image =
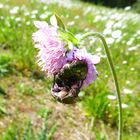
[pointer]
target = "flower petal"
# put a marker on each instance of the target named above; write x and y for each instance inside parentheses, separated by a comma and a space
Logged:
(40, 24)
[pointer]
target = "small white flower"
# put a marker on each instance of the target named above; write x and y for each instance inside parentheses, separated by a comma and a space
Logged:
(107, 31)
(34, 12)
(129, 42)
(104, 18)
(28, 23)
(127, 91)
(45, 7)
(71, 23)
(97, 18)
(1, 17)
(18, 19)
(43, 1)
(1, 5)
(43, 16)
(124, 62)
(86, 29)
(111, 97)
(23, 8)
(132, 69)
(124, 105)
(114, 16)
(106, 76)
(109, 24)
(128, 82)
(118, 25)
(132, 48)
(127, 8)
(33, 16)
(138, 32)
(116, 34)
(77, 17)
(26, 14)
(14, 10)
(99, 49)
(110, 40)
(8, 23)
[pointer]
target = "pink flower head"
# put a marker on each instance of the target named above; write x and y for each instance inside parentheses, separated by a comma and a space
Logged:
(51, 48)
(91, 60)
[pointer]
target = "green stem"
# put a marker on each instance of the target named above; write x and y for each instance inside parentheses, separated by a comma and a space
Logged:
(110, 61)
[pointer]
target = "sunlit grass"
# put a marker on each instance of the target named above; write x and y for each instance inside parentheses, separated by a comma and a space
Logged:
(17, 57)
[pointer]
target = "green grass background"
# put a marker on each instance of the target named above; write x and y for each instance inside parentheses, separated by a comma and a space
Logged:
(24, 88)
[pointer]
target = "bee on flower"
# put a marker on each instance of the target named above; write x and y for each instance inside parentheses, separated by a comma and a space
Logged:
(71, 67)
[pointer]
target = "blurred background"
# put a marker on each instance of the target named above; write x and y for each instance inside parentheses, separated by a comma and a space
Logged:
(27, 109)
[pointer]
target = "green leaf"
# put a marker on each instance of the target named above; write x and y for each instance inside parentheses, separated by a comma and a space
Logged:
(69, 37)
(56, 21)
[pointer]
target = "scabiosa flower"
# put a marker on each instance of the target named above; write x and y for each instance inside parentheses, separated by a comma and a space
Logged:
(51, 48)
(71, 67)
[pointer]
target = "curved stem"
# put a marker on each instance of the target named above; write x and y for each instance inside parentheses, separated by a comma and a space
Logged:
(113, 73)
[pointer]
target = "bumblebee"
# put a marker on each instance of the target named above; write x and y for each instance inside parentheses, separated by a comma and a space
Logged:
(68, 81)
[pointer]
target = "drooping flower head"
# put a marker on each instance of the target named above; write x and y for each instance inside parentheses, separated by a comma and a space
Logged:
(59, 55)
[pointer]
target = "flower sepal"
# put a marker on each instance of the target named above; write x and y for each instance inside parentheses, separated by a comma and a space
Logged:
(68, 37)
(57, 22)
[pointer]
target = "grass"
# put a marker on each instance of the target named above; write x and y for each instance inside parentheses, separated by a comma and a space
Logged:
(23, 85)
(28, 133)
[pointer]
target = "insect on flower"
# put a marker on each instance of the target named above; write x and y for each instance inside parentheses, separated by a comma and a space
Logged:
(68, 81)
(59, 55)
(78, 72)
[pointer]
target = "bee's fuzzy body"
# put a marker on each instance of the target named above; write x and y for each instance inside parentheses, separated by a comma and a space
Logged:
(68, 81)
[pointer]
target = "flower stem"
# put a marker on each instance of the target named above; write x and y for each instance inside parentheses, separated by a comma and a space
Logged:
(110, 61)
